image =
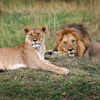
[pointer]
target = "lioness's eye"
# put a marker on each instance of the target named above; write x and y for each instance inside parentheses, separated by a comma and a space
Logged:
(73, 41)
(38, 34)
(31, 34)
(65, 42)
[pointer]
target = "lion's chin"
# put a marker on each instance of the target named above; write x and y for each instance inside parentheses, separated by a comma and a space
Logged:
(71, 55)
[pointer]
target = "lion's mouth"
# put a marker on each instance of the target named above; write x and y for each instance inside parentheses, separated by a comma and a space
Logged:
(71, 54)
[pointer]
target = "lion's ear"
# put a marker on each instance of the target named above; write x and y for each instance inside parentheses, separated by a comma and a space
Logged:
(26, 30)
(43, 29)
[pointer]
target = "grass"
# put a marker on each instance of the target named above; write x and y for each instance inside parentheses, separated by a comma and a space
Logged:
(82, 83)
(84, 80)
(56, 15)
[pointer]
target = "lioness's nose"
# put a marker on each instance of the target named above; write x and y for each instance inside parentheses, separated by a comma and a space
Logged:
(34, 40)
(70, 49)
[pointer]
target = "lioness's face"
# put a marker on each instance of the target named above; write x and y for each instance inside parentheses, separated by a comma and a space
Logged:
(69, 44)
(35, 36)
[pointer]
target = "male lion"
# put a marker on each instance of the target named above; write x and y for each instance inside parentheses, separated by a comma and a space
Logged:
(29, 54)
(73, 41)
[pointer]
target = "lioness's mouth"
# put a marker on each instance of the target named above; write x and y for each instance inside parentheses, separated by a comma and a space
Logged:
(35, 45)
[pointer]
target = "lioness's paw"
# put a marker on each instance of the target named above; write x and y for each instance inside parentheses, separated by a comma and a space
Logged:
(66, 71)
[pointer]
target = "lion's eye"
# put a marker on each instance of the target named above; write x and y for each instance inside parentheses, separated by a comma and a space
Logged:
(30, 34)
(38, 34)
(73, 41)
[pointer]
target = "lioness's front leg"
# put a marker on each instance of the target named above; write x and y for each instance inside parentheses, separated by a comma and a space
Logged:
(50, 67)
(46, 61)
(38, 63)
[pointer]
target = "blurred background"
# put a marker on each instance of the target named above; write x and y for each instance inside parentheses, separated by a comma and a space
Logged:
(55, 14)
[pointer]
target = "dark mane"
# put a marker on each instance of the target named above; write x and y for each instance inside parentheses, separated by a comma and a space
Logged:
(79, 27)
(83, 31)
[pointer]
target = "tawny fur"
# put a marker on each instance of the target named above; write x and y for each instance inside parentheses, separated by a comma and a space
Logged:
(74, 40)
(29, 54)
(84, 46)
(93, 50)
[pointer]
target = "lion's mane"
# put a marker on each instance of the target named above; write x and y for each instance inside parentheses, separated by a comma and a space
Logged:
(81, 34)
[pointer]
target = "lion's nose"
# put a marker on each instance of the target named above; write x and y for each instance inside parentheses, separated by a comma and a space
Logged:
(34, 40)
(70, 49)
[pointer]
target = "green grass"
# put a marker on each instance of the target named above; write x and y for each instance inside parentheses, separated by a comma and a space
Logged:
(29, 84)
(12, 26)
(82, 83)
(55, 15)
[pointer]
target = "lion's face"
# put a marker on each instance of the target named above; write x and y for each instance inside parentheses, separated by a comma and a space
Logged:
(35, 37)
(69, 44)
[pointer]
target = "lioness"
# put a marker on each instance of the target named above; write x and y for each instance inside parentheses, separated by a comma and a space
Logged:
(29, 54)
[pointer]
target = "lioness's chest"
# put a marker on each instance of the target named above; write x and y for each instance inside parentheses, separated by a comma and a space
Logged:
(40, 53)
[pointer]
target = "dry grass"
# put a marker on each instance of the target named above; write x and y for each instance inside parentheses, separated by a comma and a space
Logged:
(55, 15)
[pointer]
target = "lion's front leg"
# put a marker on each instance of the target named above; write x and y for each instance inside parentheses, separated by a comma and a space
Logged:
(55, 53)
(59, 53)
(49, 52)
(62, 53)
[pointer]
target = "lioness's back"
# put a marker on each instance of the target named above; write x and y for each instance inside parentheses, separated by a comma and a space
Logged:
(8, 51)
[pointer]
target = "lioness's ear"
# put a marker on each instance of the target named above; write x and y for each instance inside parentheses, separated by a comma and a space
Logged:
(43, 29)
(26, 30)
